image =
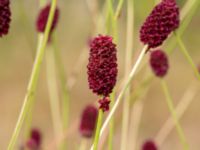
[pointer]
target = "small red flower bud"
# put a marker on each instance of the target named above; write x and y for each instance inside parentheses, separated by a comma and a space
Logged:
(5, 17)
(102, 66)
(88, 121)
(104, 104)
(159, 63)
(36, 136)
(43, 17)
(149, 145)
(163, 19)
(34, 142)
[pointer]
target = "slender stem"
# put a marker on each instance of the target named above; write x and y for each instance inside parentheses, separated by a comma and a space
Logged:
(121, 94)
(136, 114)
(111, 124)
(53, 93)
(83, 144)
(128, 62)
(186, 19)
(182, 106)
(33, 80)
(187, 55)
(174, 115)
(28, 120)
(118, 10)
(99, 122)
(186, 8)
(63, 81)
(109, 17)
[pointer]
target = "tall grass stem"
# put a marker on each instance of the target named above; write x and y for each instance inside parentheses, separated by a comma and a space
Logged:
(180, 109)
(187, 55)
(174, 115)
(98, 127)
(53, 93)
(34, 79)
(128, 63)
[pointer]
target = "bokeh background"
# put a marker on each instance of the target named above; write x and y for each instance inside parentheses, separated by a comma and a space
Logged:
(74, 29)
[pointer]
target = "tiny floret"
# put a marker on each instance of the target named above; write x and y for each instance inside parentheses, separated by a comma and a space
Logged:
(163, 19)
(104, 104)
(43, 17)
(34, 141)
(159, 63)
(88, 121)
(102, 66)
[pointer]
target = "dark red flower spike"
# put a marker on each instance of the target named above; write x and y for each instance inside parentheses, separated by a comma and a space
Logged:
(88, 121)
(149, 145)
(34, 142)
(102, 66)
(163, 19)
(43, 17)
(5, 17)
(159, 63)
(104, 104)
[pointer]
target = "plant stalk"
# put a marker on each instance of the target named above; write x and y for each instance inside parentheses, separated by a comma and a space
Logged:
(98, 127)
(174, 115)
(187, 55)
(34, 79)
(128, 63)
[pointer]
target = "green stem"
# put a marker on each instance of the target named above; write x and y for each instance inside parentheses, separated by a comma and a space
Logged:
(111, 124)
(98, 127)
(174, 116)
(118, 10)
(63, 81)
(33, 80)
(28, 120)
(128, 63)
(180, 109)
(185, 22)
(53, 93)
(187, 55)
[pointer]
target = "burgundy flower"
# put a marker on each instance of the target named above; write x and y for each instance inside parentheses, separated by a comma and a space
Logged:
(159, 63)
(5, 17)
(43, 17)
(149, 145)
(102, 66)
(88, 121)
(36, 136)
(104, 104)
(163, 19)
(34, 142)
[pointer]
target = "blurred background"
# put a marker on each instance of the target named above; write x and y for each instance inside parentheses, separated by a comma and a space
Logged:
(75, 27)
